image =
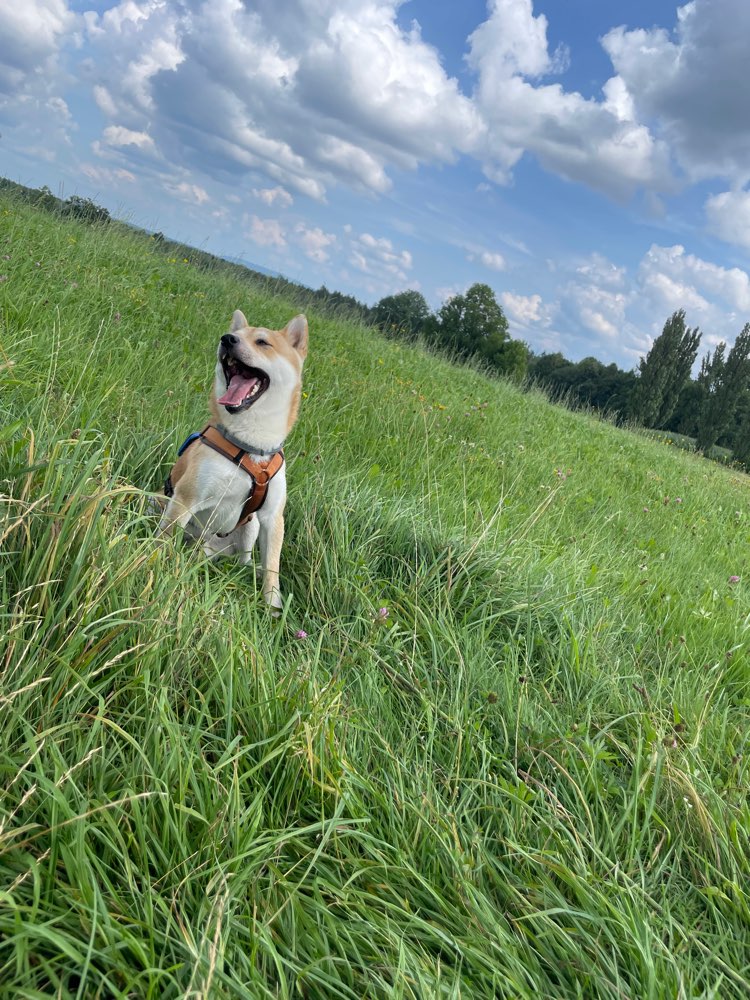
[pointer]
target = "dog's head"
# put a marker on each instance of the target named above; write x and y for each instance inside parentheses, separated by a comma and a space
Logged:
(262, 368)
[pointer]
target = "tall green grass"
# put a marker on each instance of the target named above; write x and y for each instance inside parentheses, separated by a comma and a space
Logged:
(526, 777)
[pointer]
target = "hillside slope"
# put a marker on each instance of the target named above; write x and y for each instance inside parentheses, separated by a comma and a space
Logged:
(525, 778)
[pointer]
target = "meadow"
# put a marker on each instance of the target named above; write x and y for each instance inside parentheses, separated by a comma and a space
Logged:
(495, 746)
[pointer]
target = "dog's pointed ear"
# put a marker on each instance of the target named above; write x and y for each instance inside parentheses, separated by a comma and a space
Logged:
(296, 333)
(238, 321)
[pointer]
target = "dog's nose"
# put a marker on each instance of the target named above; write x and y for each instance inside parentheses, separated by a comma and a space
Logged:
(229, 340)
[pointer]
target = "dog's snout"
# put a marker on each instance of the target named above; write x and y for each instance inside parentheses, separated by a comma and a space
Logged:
(229, 340)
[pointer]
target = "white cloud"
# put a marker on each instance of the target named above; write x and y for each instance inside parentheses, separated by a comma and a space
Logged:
(625, 311)
(599, 295)
(693, 84)
(188, 192)
(526, 310)
(596, 321)
(385, 267)
(599, 143)
(104, 101)
(728, 216)
(681, 280)
(267, 232)
(602, 272)
(314, 242)
(513, 42)
(494, 261)
(372, 253)
(32, 34)
(270, 196)
(116, 135)
(106, 176)
(308, 95)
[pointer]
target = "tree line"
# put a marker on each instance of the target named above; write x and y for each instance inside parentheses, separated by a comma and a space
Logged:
(469, 325)
(712, 409)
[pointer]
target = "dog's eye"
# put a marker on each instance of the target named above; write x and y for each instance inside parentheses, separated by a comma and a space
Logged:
(260, 342)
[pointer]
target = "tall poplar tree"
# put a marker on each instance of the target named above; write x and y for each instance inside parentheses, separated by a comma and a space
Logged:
(723, 379)
(662, 374)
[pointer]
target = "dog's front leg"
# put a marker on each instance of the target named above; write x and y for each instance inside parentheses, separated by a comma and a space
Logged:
(245, 539)
(271, 540)
(176, 513)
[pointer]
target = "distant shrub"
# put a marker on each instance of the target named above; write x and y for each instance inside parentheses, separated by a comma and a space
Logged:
(86, 210)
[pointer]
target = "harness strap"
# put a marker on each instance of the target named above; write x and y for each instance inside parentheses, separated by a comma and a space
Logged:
(261, 473)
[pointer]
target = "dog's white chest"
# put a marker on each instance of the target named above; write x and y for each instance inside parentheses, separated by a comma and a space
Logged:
(222, 488)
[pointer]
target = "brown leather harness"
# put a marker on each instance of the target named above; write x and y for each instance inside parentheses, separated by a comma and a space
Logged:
(261, 473)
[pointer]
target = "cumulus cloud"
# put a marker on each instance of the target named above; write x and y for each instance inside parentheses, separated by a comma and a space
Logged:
(526, 310)
(188, 192)
(728, 216)
(267, 232)
(680, 279)
(116, 135)
(599, 143)
(625, 311)
(372, 254)
(598, 296)
(693, 83)
(314, 242)
(494, 261)
(32, 35)
(272, 196)
(308, 96)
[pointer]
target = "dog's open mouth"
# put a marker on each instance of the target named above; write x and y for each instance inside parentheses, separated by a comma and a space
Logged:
(245, 385)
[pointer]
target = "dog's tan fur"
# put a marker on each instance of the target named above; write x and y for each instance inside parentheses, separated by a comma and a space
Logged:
(209, 490)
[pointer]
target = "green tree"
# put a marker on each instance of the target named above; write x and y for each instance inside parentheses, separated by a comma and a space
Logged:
(684, 420)
(86, 210)
(472, 323)
(724, 379)
(662, 374)
(546, 368)
(512, 360)
(405, 313)
(590, 382)
(740, 436)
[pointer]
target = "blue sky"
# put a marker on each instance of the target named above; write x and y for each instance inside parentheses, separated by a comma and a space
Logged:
(588, 160)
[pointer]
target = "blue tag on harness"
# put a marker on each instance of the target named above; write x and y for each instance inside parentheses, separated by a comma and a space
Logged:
(187, 442)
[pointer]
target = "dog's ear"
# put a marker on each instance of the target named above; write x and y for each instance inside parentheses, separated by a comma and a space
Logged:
(238, 321)
(296, 333)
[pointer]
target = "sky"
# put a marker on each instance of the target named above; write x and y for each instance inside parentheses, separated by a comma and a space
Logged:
(587, 159)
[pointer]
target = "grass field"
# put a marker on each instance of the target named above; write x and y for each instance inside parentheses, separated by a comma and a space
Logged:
(525, 778)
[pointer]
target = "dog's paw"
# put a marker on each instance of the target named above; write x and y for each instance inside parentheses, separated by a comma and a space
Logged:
(274, 602)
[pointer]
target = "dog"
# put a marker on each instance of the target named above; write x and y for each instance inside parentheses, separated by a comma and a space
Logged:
(228, 486)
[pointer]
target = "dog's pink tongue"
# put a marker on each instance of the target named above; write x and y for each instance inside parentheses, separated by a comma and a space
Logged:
(237, 390)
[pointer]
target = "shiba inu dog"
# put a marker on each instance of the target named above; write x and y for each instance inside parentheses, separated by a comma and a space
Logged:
(228, 486)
